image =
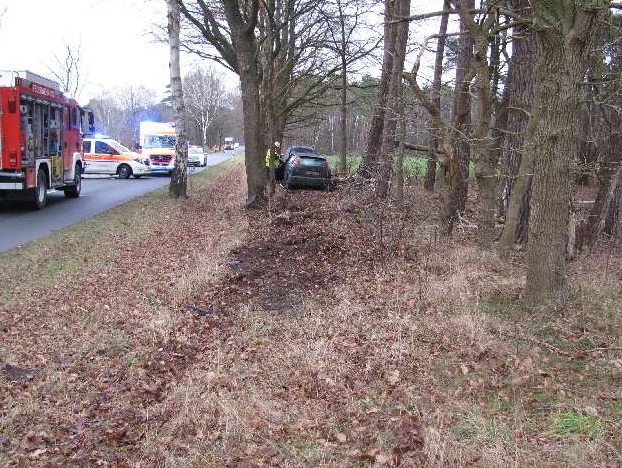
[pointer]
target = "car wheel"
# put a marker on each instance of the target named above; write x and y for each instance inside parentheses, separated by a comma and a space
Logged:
(41, 191)
(124, 171)
(74, 190)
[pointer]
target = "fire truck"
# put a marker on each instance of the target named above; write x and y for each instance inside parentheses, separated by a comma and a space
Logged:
(40, 138)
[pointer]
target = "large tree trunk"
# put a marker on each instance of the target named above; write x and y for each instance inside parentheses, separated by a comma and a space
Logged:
(435, 98)
(397, 9)
(245, 46)
(369, 164)
(179, 178)
(516, 168)
(566, 45)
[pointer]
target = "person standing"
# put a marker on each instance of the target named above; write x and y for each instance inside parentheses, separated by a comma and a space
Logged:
(273, 160)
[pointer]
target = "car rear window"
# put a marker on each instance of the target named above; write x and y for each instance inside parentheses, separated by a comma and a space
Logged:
(316, 162)
(302, 150)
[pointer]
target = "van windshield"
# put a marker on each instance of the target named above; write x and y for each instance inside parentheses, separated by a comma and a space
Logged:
(159, 141)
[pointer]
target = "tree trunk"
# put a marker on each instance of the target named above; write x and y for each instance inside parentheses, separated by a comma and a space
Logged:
(516, 173)
(603, 216)
(461, 113)
(519, 95)
(368, 167)
(179, 178)
(397, 9)
(245, 45)
(435, 98)
(566, 45)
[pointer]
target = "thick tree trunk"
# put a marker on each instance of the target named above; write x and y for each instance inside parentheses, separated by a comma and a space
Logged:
(566, 45)
(519, 95)
(179, 177)
(556, 104)
(245, 45)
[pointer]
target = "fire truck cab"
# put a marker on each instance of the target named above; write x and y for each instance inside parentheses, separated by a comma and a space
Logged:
(40, 138)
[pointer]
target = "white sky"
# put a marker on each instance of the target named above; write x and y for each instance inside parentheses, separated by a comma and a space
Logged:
(117, 48)
(115, 38)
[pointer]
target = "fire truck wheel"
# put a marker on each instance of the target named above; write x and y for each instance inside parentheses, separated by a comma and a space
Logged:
(73, 191)
(41, 191)
(124, 171)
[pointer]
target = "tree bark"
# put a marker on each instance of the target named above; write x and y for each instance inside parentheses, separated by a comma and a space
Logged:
(516, 168)
(369, 164)
(566, 36)
(461, 113)
(435, 98)
(481, 132)
(397, 9)
(244, 43)
(179, 177)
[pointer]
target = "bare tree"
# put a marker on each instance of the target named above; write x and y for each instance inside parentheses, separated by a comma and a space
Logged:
(344, 20)
(204, 94)
(179, 177)
(67, 70)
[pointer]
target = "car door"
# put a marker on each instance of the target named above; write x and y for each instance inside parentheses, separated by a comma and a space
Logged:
(106, 157)
(92, 164)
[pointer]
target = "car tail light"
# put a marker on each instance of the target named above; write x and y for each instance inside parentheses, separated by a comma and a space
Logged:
(295, 161)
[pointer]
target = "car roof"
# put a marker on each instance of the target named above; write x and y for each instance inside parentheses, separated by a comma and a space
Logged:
(302, 148)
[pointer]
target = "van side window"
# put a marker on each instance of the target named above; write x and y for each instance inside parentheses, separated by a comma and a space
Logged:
(104, 148)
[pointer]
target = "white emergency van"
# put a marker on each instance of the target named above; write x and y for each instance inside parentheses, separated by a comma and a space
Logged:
(108, 156)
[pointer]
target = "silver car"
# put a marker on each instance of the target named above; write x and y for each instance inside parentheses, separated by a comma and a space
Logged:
(196, 156)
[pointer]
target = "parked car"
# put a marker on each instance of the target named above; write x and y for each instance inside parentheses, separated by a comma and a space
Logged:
(304, 167)
(196, 156)
(107, 156)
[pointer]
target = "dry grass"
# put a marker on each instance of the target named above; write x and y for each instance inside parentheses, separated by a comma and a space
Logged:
(298, 336)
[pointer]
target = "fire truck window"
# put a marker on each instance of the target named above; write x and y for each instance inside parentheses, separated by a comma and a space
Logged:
(87, 146)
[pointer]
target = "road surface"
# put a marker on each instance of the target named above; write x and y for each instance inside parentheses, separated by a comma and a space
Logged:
(20, 223)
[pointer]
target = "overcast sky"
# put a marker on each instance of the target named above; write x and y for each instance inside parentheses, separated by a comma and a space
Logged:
(115, 39)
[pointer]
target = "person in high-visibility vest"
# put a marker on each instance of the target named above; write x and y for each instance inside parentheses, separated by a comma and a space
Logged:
(273, 160)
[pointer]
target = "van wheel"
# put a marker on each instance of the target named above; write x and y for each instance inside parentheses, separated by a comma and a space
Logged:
(41, 190)
(137, 176)
(74, 190)
(124, 171)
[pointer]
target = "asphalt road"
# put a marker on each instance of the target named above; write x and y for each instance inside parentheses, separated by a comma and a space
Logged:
(20, 223)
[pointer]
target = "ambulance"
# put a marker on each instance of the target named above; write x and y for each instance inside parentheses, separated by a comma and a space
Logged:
(103, 155)
(157, 142)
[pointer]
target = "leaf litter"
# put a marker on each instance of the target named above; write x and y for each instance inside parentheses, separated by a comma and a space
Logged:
(303, 333)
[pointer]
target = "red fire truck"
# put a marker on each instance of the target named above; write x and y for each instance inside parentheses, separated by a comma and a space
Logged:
(40, 138)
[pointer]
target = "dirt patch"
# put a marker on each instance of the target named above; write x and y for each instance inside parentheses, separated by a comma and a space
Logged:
(327, 329)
